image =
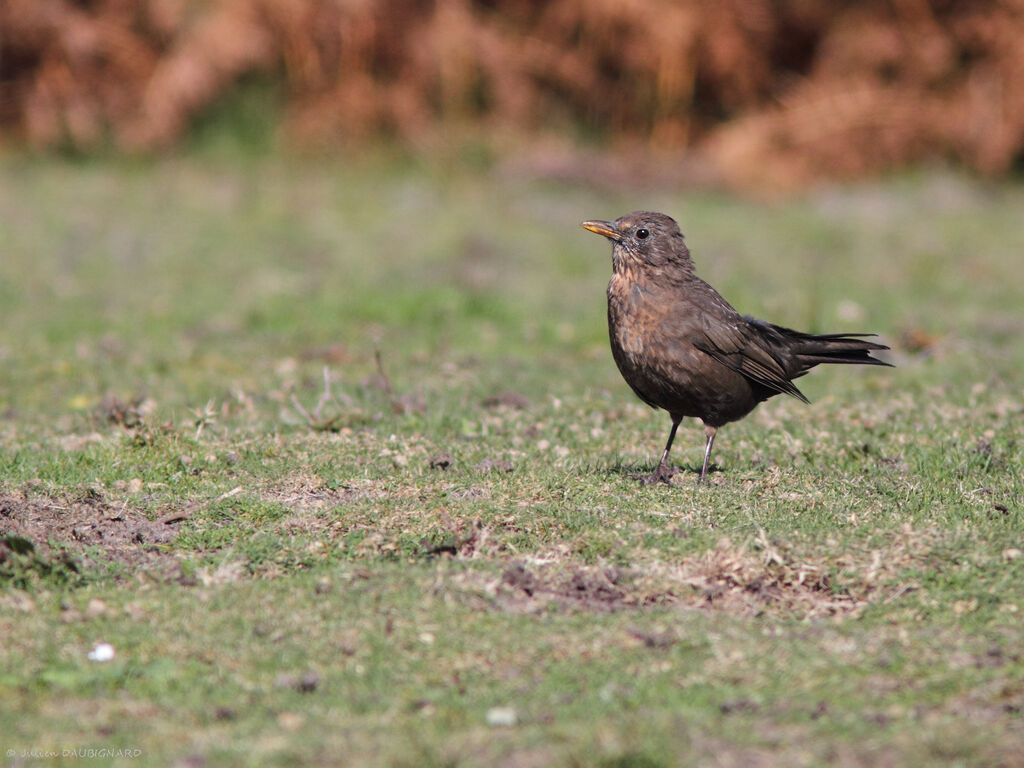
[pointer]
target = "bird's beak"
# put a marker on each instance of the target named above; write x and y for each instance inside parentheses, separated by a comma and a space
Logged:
(605, 228)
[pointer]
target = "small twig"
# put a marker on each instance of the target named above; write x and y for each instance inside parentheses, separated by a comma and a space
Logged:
(175, 517)
(187, 512)
(120, 512)
(900, 592)
(326, 396)
(316, 420)
(303, 411)
(385, 381)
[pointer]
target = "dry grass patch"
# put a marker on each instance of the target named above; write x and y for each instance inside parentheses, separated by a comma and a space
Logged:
(309, 496)
(748, 579)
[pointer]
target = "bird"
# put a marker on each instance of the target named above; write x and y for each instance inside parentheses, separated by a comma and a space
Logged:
(683, 348)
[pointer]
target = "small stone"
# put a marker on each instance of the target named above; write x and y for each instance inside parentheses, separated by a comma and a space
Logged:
(494, 465)
(502, 717)
(102, 652)
(309, 682)
(442, 461)
(508, 399)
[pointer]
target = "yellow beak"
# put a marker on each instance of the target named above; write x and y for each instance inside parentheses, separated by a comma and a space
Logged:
(604, 228)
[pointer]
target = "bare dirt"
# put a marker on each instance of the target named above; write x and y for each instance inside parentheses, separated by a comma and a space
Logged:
(727, 578)
(87, 530)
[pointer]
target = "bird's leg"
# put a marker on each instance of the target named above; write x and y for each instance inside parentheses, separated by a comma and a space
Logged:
(665, 470)
(709, 432)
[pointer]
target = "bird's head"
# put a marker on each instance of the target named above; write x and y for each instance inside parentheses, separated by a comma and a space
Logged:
(645, 242)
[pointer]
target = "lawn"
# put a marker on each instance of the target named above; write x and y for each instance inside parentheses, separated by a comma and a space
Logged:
(335, 457)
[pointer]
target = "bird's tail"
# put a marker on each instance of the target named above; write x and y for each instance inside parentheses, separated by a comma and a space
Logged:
(846, 348)
(808, 350)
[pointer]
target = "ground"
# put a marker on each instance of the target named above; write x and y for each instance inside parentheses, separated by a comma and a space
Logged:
(334, 456)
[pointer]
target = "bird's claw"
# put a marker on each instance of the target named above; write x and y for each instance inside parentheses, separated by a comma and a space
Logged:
(663, 474)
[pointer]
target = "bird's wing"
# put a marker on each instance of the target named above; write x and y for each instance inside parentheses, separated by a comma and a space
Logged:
(734, 344)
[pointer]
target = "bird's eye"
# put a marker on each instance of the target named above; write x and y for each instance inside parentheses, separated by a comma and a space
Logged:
(641, 234)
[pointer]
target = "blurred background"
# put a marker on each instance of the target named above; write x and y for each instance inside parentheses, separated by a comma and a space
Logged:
(295, 303)
(201, 191)
(757, 95)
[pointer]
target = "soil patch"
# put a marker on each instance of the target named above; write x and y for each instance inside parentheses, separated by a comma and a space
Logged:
(728, 577)
(83, 531)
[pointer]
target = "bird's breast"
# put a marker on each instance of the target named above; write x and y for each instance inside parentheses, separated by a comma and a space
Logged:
(630, 319)
(639, 342)
(654, 333)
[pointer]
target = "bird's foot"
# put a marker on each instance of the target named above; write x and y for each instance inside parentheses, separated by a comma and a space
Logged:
(663, 474)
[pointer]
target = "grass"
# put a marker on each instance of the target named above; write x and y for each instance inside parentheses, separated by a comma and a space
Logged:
(437, 555)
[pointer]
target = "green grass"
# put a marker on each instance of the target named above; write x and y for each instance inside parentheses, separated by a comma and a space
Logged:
(176, 481)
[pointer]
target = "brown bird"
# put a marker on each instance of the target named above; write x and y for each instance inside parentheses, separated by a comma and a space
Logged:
(682, 347)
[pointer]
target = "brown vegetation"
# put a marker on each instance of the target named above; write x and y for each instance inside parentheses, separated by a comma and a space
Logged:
(777, 94)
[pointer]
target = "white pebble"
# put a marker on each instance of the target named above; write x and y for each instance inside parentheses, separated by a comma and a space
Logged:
(502, 717)
(102, 652)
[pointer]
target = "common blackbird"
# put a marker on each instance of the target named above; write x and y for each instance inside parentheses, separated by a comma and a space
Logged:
(682, 347)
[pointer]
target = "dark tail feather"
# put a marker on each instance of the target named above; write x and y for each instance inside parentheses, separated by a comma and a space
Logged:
(841, 348)
(809, 349)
